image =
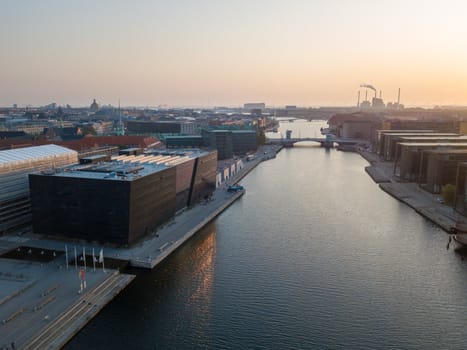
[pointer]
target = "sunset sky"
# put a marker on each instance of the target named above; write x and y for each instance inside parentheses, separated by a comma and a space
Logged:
(219, 52)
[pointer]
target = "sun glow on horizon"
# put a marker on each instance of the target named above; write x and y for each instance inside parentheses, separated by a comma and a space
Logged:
(222, 53)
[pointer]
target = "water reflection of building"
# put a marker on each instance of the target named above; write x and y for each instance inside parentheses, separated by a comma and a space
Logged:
(203, 265)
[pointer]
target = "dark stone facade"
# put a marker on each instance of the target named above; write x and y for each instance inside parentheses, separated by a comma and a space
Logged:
(117, 211)
(184, 175)
(81, 205)
(90, 209)
(152, 202)
(204, 177)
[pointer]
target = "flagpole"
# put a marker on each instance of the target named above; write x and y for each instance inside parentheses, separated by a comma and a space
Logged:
(84, 258)
(101, 259)
(66, 255)
(93, 261)
(76, 261)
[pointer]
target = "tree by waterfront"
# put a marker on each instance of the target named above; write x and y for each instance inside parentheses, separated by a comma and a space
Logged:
(448, 193)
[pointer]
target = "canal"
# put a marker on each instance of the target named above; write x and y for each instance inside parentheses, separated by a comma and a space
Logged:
(314, 256)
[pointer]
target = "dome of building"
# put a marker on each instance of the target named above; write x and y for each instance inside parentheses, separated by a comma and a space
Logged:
(94, 106)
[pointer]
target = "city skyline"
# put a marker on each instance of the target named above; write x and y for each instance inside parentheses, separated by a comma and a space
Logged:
(216, 53)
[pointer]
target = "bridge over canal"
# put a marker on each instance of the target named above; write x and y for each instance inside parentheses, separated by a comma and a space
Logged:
(324, 141)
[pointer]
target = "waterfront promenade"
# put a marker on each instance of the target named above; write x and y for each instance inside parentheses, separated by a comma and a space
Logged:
(157, 246)
(423, 202)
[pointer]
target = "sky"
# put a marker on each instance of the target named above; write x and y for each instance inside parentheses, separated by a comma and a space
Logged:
(226, 53)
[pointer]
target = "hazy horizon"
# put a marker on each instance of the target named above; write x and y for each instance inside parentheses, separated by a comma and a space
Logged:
(182, 106)
(221, 53)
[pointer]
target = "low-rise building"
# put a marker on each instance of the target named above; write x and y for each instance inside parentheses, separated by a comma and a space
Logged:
(409, 165)
(15, 166)
(460, 204)
(441, 168)
(161, 127)
(379, 138)
(392, 141)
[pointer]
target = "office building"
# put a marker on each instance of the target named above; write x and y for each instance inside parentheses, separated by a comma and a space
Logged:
(244, 141)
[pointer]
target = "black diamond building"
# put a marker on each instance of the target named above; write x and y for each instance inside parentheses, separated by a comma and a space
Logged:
(119, 201)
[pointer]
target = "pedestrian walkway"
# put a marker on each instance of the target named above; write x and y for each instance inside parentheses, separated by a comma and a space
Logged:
(423, 202)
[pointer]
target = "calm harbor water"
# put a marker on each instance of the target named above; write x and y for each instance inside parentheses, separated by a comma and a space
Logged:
(314, 256)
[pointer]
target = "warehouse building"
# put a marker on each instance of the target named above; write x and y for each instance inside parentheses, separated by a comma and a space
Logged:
(434, 138)
(379, 140)
(15, 166)
(437, 124)
(392, 139)
(461, 186)
(408, 165)
(120, 201)
(441, 168)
